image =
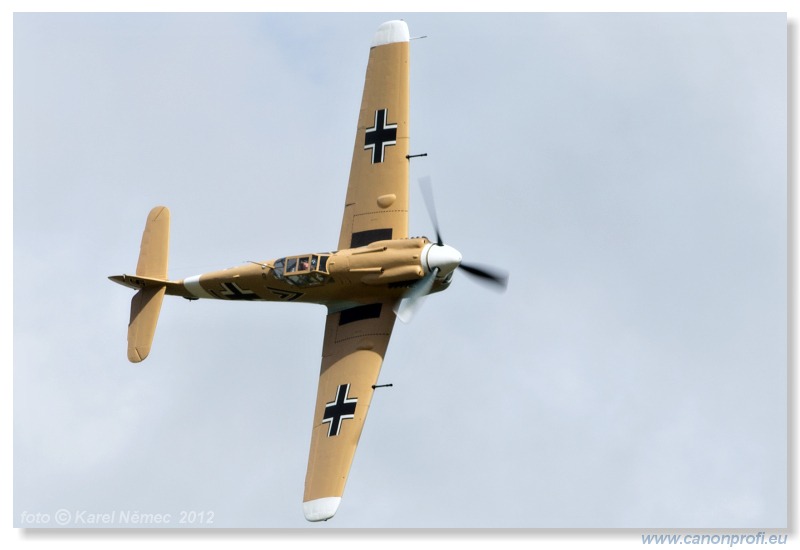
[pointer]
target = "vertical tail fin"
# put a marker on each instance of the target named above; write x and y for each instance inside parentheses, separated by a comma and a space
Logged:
(146, 304)
(155, 245)
(145, 307)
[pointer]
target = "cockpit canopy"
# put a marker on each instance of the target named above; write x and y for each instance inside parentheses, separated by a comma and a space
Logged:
(304, 270)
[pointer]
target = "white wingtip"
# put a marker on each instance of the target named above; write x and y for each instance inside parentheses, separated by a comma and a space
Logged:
(390, 32)
(321, 509)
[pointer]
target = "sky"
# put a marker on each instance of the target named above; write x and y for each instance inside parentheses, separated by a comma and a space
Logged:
(629, 171)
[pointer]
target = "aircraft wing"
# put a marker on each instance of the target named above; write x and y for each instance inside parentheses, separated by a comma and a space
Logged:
(376, 207)
(352, 353)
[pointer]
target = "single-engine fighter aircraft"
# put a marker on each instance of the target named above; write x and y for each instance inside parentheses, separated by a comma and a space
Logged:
(376, 273)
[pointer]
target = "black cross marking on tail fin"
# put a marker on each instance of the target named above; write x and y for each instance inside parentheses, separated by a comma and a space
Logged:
(380, 135)
(339, 409)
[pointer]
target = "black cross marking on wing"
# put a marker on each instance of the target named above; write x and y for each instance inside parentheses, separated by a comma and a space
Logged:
(339, 409)
(380, 135)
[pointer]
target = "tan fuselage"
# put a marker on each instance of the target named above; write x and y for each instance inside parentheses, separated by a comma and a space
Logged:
(380, 270)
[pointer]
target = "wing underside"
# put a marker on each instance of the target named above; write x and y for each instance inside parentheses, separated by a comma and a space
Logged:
(353, 350)
(376, 207)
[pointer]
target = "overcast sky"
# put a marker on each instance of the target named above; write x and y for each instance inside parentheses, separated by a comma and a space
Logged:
(629, 171)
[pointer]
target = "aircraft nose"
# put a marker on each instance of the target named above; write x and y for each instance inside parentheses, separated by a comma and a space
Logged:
(446, 258)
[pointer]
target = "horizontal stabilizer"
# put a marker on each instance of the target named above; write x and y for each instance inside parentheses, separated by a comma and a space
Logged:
(136, 282)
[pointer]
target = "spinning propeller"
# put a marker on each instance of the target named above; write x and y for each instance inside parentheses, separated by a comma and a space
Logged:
(439, 257)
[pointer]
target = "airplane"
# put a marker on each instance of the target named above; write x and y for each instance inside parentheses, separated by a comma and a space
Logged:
(376, 274)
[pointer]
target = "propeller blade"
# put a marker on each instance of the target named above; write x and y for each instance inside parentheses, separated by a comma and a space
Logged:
(412, 301)
(498, 278)
(426, 187)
